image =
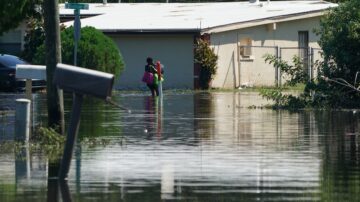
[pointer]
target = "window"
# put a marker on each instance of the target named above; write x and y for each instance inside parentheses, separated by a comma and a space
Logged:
(245, 47)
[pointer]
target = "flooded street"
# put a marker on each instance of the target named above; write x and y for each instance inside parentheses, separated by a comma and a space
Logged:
(191, 147)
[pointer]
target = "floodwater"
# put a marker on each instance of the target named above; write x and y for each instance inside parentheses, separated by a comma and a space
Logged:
(192, 147)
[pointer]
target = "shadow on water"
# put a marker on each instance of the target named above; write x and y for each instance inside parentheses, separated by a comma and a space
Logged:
(57, 190)
(196, 147)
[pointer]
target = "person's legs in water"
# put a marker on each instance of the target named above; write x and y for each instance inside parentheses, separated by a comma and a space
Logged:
(151, 90)
(156, 89)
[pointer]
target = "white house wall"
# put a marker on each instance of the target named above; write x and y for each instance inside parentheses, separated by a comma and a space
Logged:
(12, 42)
(234, 71)
(174, 51)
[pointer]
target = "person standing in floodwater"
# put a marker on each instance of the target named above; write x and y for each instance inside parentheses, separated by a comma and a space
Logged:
(150, 68)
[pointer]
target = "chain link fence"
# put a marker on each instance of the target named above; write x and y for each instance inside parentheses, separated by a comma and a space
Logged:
(254, 71)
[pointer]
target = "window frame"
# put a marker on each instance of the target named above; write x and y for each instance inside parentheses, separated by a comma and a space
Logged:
(242, 48)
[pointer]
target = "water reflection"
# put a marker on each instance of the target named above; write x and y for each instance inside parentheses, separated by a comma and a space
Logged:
(207, 147)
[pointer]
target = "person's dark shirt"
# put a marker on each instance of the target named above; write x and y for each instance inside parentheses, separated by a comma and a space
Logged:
(150, 68)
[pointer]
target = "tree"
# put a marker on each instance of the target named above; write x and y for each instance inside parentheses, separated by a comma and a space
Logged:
(13, 12)
(95, 51)
(340, 41)
(53, 56)
(34, 37)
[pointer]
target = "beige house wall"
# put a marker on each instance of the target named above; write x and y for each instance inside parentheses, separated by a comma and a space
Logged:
(175, 51)
(235, 71)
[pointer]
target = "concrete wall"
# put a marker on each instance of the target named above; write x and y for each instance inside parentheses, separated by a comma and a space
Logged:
(174, 51)
(235, 71)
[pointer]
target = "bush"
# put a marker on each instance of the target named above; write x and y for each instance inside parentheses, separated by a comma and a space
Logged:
(95, 51)
(205, 56)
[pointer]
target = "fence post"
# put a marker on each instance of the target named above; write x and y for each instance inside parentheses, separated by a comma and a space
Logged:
(22, 120)
(311, 63)
(277, 69)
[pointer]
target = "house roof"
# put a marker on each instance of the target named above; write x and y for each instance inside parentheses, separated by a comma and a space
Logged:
(193, 17)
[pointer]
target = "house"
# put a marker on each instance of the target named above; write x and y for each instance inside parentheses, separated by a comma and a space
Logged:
(12, 42)
(241, 33)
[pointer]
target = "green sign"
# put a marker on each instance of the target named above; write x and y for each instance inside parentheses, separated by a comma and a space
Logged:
(77, 6)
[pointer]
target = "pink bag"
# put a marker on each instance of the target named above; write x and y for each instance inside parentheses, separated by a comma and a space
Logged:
(148, 78)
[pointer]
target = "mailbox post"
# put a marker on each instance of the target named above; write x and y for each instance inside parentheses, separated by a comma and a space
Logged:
(81, 82)
(29, 72)
(77, 24)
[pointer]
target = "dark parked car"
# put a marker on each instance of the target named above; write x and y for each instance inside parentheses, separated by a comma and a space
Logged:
(8, 82)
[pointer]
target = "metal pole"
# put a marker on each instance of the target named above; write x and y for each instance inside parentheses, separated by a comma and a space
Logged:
(279, 74)
(22, 120)
(71, 137)
(312, 63)
(75, 53)
(28, 89)
(77, 28)
(28, 92)
(277, 69)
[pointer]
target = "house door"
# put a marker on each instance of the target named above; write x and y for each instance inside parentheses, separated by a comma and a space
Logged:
(303, 43)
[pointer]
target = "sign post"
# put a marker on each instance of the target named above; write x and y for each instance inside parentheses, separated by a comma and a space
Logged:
(77, 24)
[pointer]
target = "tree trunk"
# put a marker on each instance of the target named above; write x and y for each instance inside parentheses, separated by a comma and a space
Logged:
(53, 56)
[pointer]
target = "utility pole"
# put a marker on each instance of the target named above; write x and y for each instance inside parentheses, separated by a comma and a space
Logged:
(53, 56)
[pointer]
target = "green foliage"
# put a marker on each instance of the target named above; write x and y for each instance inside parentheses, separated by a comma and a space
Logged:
(337, 84)
(13, 12)
(207, 59)
(338, 1)
(95, 51)
(294, 75)
(316, 94)
(296, 72)
(340, 40)
(34, 38)
(48, 142)
(48, 136)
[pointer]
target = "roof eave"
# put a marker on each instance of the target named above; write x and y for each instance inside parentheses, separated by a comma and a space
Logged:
(263, 21)
(150, 31)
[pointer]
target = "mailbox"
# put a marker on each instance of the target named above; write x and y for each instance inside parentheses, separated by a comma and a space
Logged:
(83, 81)
(25, 71)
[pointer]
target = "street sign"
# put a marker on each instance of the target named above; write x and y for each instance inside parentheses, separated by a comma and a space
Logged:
(77, 24)
(77, 6)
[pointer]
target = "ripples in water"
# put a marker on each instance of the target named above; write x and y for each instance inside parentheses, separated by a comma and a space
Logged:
(206, 147)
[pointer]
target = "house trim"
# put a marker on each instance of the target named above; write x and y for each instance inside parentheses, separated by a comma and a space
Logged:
(152, 31)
